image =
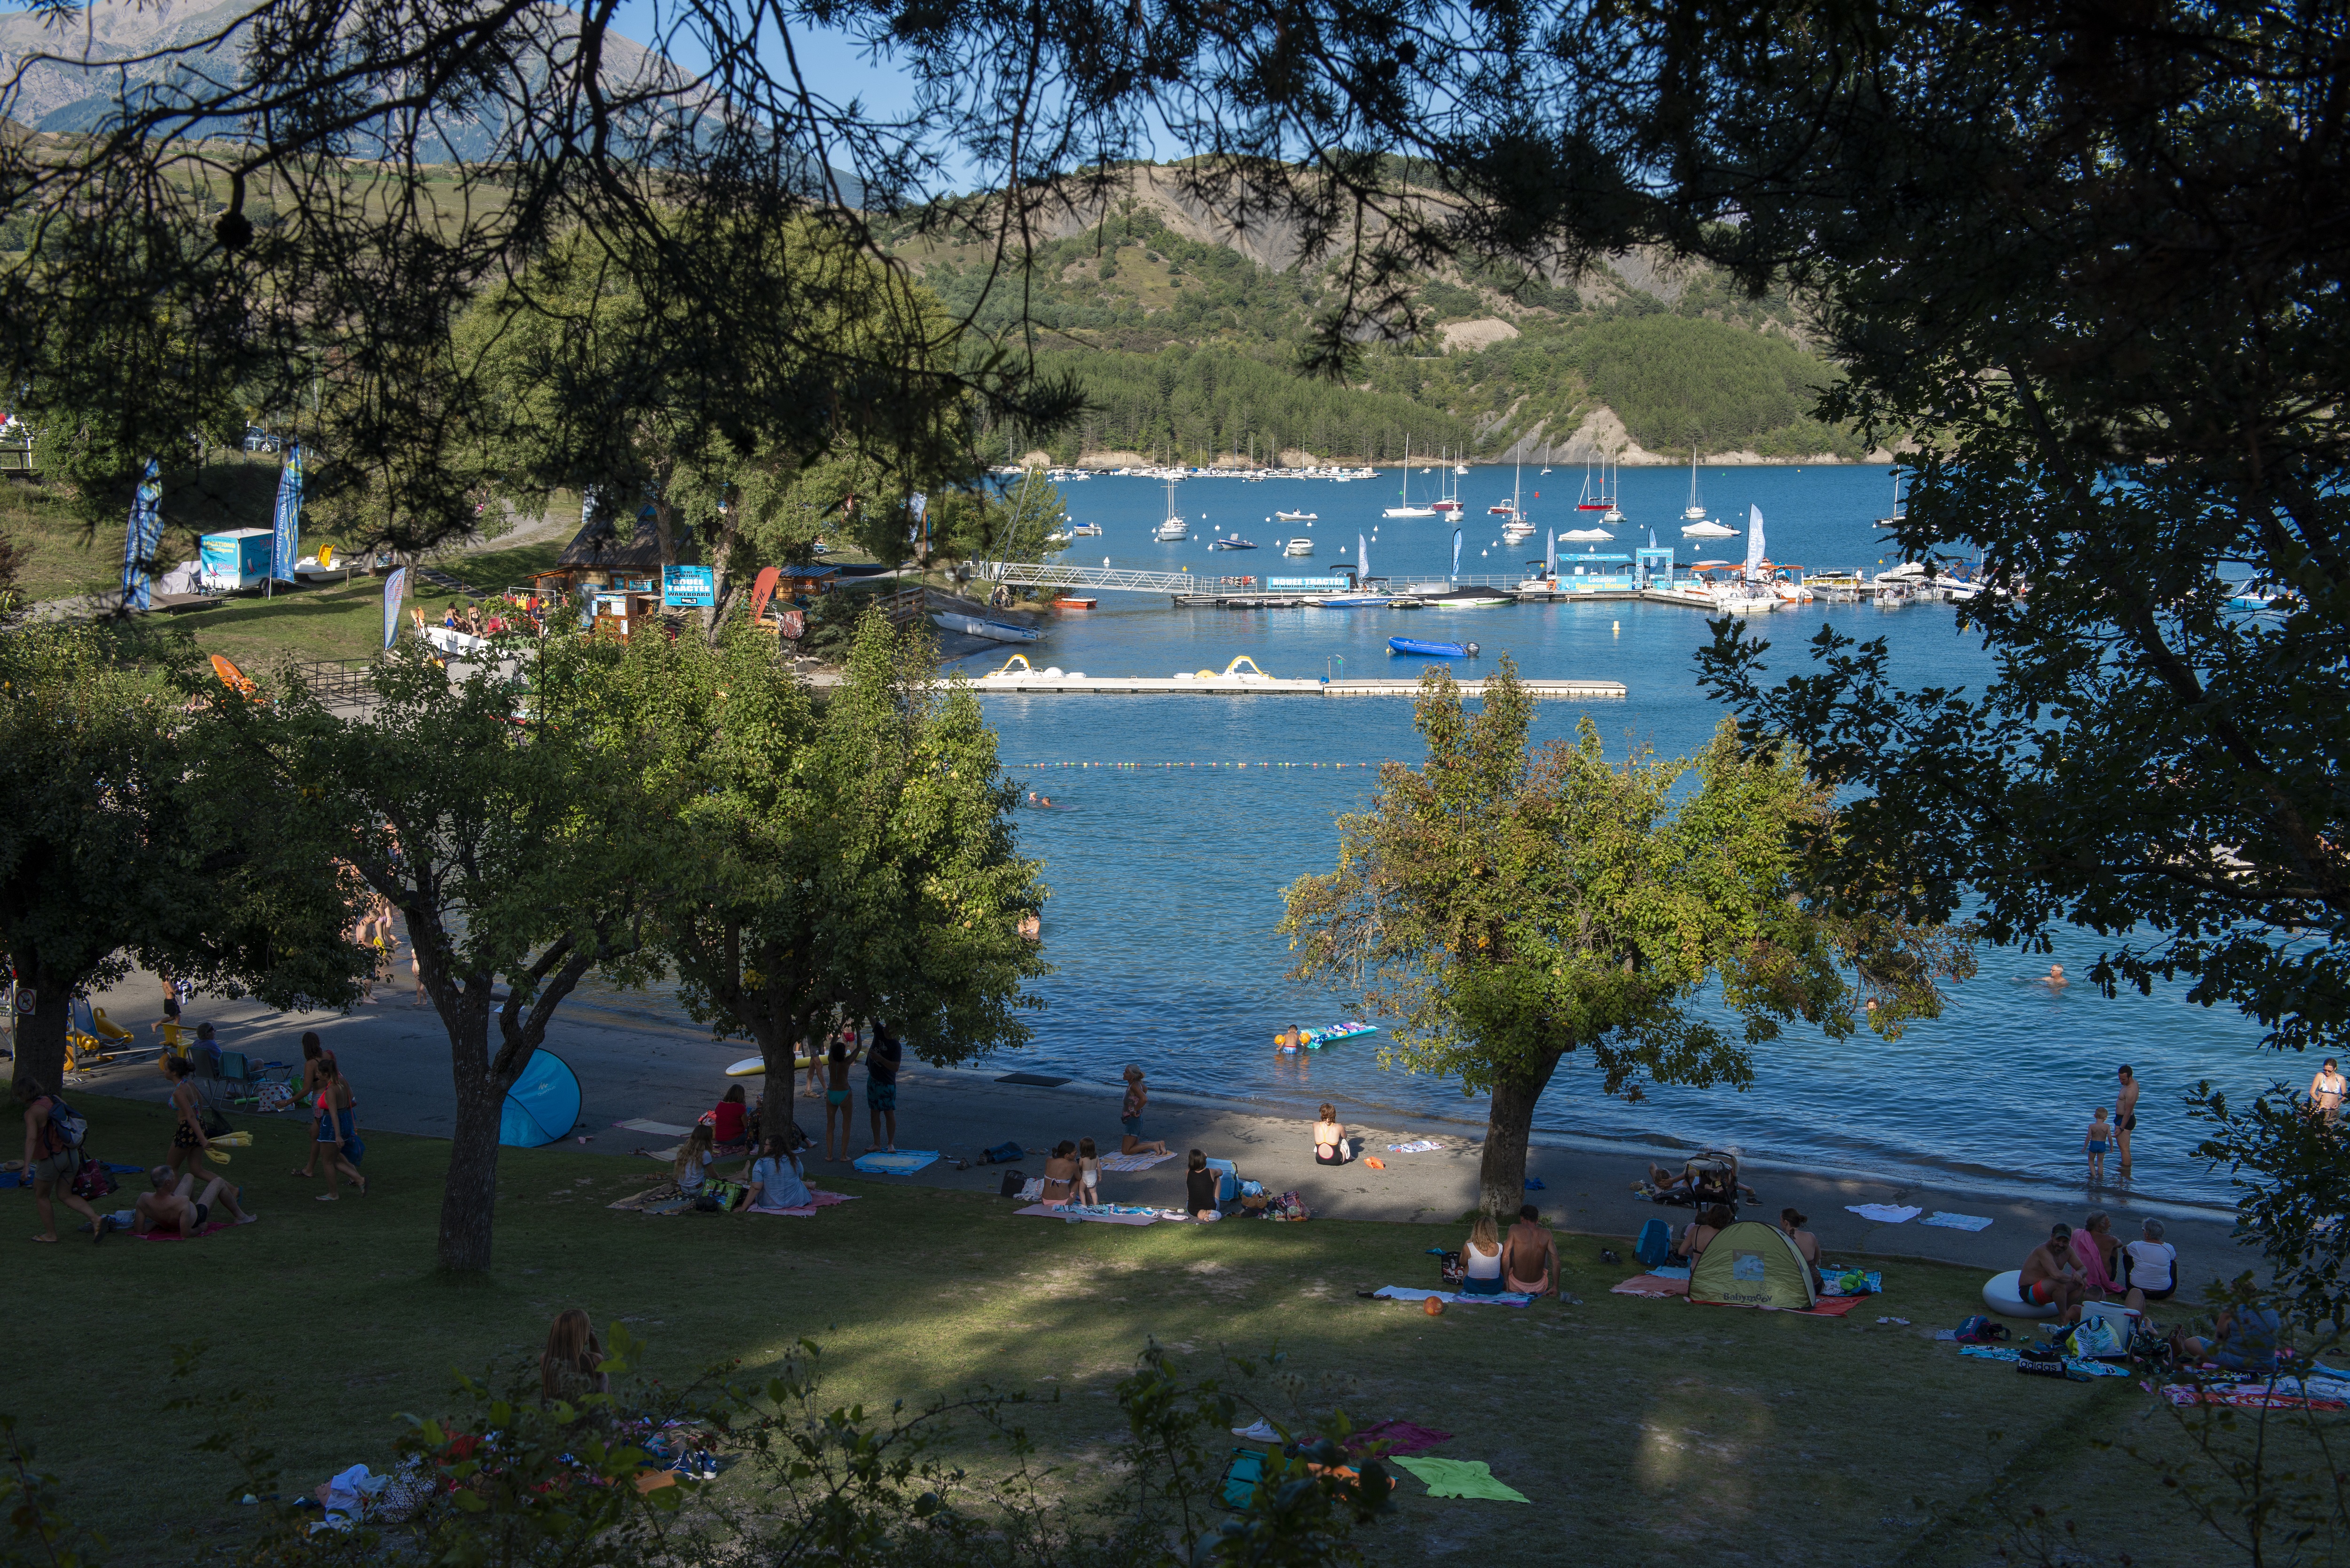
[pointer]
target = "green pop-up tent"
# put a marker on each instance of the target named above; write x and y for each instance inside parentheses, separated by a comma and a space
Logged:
(1752, 1264)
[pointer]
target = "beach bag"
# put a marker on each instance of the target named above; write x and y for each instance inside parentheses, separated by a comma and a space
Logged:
(2150, 1348)
(1981, 1330)
(355, 1149)
(1449, 1271)
(2041, 1360)
(1656, 1243)
(724, 1196)
(1012, 1182)
(93, 1180)
(2096, 1337)
(1003, 1153)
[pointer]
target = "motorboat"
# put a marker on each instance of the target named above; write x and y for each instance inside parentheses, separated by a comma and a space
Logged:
(1068, 602)
(1352, 601)
(979, 626)
(1087, 531)
(1407, 509)
(2265, 594)
(1469, 598)
(1232, 542)
(1297, 517)
(1503, 509)
(1298, 546)
(1423, 648)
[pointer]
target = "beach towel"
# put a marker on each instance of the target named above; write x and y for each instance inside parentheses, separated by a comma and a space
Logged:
(2248, 1396)
(172, 1235)
(2074, 1365)
(1417, 1146)
(1670, 1271)
(1650, 1285)
(1883, 1213)
(666, 1155)
(903, 1162)
(817, 1199)
(1405, 1293)
(658, 1129)
(2093, 1264)
(641, 1201)
(1835, 1282)
(1956, 1221)
(1102, 1214)
(1134, 1161)
(1400, 1437)
(1461, 1478)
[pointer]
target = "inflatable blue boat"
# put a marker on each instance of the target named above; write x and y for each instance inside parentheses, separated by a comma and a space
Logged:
(1431, 650)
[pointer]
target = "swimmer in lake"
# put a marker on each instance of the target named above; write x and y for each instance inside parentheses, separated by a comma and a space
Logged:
(2054, 979)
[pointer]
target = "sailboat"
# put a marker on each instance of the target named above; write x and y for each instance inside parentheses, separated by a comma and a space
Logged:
(1174, 529)
(1614, 513)
(1451, 503)
(1407, 509)
(1599, 501)
(1586, 467)
(1694, 513)
(1898, 517)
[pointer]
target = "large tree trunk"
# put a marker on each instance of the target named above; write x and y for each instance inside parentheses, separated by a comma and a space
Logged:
(469, 1195)
(41, 1036)
(1502, 1177)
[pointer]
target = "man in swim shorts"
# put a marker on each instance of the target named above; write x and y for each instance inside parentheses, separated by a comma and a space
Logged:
(2125, 1117)
(168, 1208)
(2050, 1277)
(882, 1060)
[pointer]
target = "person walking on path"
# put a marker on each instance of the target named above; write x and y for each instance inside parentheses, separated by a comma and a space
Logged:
(52, 1153)
(839, 1100)
(314, 1050)
(1129, 1115)
(2125, 1119)
(189, 1140)
(882, 1059)
(334, 1140)
(2326, 1091)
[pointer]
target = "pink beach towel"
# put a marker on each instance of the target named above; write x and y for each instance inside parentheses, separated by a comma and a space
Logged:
(172, 1235)
(1400, 1437)
(2092, 1265)
(818, 1199)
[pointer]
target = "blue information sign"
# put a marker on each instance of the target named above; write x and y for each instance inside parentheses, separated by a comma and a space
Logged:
(688, 586)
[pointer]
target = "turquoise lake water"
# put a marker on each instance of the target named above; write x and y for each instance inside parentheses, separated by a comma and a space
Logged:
(1165, 881)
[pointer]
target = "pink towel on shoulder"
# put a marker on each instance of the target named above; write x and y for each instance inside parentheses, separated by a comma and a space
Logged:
(2093, 1264)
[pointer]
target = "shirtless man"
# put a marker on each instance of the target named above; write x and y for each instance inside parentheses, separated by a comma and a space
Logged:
(2051, 1278)
(2326, 1091)
(1530, 1256)
(2125, 1119)
(2054, 979)
(168, 1208)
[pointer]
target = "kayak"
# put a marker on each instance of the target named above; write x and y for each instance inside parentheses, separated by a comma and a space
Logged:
(1420, 645)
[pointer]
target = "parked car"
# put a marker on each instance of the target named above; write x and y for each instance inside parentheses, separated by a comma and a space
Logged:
(259, 439)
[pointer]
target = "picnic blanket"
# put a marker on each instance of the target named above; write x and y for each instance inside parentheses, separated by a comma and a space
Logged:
(817, 1199)
(172, 1235)
(1650, 1285)
(660, 1129)
(1417, 1146)
(1100, 1214)
(1133, 1161)
(1400, 1437)
(1461, 1478)
(1956, 1221)
(643, 1202)
(1831, 1281)
(2074, 1364)
(2253, 1397)
(1885, 1213)
(1405, 1293)
(899, 1162)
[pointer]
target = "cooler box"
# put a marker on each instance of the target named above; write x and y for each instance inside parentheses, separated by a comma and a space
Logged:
(1228, 1180)
(234, 560)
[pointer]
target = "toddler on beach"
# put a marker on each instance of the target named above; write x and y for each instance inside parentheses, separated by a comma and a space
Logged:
(2100, 1134)
(1088, 1174)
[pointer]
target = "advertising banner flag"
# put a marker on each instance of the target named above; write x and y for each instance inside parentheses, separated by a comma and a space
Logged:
(395, 588)
(140, 540)
(1456, 551)
(285, 544)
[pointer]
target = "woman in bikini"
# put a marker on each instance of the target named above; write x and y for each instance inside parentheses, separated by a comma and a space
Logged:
(2327, 1092)
(1704, 1230)
(333, 1135)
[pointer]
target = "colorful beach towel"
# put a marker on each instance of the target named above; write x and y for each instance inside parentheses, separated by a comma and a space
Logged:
(817, 1199)
(1650, 1285)
(1417, 1146)
(1885, 1213)
(1400, 1437)
(1956, 1221)
(2078, 1365)
(901, 1162)
(1461, 1478)
(1103, 1214)
(1134, 1161)
(658, 1129)
(2250, 1397)
(1405, 1293)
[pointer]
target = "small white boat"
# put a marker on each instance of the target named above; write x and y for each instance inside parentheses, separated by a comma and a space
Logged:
(1408, 511)
(1173, 529)
(993, 630)
(1693, 512)
(1297, 517)
(1299, 546)
(1087, 531)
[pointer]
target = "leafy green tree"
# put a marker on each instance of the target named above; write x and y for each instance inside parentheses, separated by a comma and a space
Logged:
(127, 839)
(522, 855)
(852, 849)
(998, 520)
(1509, 909)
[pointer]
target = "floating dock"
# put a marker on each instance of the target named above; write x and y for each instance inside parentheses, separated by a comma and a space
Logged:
(1026, 683)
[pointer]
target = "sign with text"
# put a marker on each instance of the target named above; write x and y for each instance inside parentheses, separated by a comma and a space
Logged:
(688, 586)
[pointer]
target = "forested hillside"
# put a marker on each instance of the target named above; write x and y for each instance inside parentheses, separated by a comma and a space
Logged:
(1185, 348)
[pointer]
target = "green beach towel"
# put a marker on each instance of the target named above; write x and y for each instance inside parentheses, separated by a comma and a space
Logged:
(1459, 1478)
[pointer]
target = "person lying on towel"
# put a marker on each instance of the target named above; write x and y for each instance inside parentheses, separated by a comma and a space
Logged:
(1530, 1256)
(169, 1210)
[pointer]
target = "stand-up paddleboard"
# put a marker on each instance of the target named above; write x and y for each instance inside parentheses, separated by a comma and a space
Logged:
(1431, 650)
(753, 1066)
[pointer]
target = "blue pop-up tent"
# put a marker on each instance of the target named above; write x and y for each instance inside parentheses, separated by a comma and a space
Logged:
(543, 1105)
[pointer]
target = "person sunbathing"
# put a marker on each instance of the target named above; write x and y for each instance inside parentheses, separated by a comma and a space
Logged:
(169, 1210)
(1061, 1172)
(1699, 1231)
(1530, 1256)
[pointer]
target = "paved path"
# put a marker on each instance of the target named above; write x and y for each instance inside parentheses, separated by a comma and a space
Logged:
(633, 1066)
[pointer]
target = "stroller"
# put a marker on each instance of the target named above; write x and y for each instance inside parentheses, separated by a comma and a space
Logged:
(1706, 1178)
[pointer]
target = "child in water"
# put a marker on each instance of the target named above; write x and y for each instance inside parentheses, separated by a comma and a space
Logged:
(2100, 1134)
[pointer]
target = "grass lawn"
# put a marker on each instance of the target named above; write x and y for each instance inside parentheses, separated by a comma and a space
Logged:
(1644, 1431)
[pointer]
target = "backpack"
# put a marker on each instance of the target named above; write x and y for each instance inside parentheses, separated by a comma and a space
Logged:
(1981, 1330)
(67, 1127)
(93, 1180)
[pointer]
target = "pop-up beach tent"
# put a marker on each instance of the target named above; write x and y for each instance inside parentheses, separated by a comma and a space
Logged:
(543, 1105)
(1752, 1264)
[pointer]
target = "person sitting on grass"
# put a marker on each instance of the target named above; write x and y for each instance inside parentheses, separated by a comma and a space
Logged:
(2151, 1269)
(726, 1116)
(1805, 1242)
(2243, 1339)
(1200, 1188)
(1331, 1144)
(1061, 1171)
(571, 1368)
(777, 1179)
(1481, 1260)
(169, 1210)
(2051, 1276)
(1530, 1256)
(694, 1159)
(1702, 1231)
